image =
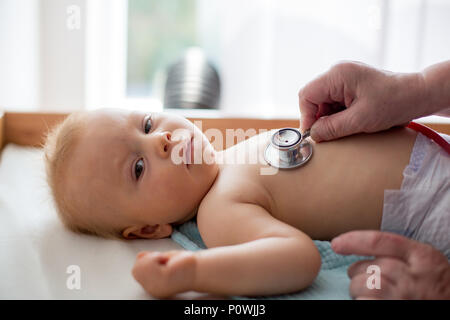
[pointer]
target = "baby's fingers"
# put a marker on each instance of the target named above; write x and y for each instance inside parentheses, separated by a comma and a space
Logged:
(141, 254)
(153, 261)
(146, 263)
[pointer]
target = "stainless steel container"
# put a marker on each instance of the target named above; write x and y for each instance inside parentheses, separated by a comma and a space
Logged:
(192, 82)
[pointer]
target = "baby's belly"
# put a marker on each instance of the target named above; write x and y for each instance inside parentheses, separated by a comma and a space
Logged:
(342, 187)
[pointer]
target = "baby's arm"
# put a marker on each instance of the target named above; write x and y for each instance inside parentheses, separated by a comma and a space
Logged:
(251, 253)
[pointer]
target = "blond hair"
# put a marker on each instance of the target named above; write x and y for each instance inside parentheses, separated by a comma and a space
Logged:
(59, 147)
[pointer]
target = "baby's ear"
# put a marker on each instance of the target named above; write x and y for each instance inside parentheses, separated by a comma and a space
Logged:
(148, 232)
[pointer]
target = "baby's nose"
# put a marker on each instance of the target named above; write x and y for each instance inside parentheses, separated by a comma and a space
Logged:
(167, 136)
(165, 144)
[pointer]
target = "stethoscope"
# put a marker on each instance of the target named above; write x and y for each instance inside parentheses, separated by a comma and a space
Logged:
(288, 149)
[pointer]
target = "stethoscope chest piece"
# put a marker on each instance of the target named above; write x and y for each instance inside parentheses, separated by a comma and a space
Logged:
(288, 149)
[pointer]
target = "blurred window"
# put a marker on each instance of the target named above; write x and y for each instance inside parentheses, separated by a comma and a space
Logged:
(263, 50)
(158, 33)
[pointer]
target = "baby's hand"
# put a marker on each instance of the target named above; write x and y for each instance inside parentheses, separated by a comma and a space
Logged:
(163, 274)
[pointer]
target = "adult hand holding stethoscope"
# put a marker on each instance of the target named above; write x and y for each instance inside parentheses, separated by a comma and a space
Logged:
(353, 97)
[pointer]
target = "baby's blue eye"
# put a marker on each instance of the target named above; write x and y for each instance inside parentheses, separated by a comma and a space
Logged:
(148, 125)
(138, 168)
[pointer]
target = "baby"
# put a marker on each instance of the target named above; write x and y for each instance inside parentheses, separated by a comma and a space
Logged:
(128, 175)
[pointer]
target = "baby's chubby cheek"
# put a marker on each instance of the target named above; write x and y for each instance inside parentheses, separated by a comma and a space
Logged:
(170, 191)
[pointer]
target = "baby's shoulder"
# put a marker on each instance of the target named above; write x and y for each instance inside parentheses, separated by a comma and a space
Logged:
(223, 208)
(219, 197)
(231, 187)
(224, 218)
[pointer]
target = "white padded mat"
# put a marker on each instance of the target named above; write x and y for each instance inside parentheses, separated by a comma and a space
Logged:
(35, 250)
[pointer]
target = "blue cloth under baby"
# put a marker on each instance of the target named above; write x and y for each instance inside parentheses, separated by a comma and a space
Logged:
(331, 283)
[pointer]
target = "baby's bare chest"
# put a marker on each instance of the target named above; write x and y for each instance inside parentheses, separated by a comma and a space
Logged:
(342, 185)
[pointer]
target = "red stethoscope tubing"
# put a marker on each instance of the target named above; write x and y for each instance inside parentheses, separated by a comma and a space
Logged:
(430, 133)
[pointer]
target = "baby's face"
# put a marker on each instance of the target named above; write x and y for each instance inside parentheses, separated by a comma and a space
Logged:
(137, 165)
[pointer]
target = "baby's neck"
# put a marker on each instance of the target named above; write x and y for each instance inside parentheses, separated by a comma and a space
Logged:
(220, 166)
(188, 217)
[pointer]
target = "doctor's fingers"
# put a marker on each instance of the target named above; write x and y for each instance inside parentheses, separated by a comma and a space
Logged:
(374, 243)
(364, 286)
(392, 269)
(308, 112)
(313, 97)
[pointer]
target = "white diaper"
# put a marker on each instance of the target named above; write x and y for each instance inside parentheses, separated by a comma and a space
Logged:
(421, 208)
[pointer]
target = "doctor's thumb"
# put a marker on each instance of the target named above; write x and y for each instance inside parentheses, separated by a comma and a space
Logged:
(331, 127)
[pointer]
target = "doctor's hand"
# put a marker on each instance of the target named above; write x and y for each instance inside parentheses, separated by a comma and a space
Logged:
(353, 97)
(408, 269)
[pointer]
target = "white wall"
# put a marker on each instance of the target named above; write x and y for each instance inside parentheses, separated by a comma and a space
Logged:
(42, 61)
(19, 54)
(268, 49)
(62, 57)
(265, 49)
